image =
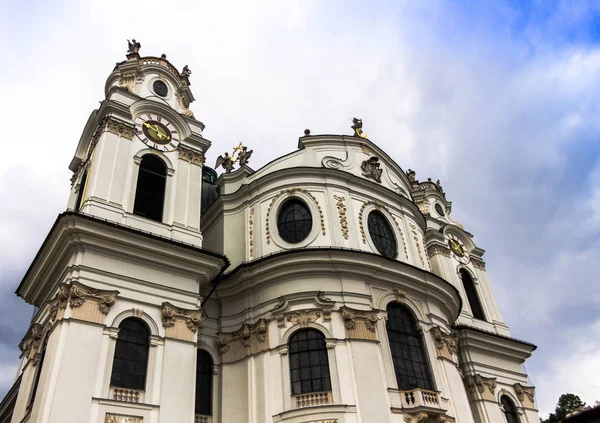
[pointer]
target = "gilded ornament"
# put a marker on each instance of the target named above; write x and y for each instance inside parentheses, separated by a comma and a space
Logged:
(342, 214)
(251, 231)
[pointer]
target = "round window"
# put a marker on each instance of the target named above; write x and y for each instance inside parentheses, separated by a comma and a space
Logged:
(439, 209)
(160, 88)
(294, 222)
(382, 234)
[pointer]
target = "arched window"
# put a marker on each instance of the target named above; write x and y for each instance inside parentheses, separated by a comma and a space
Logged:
(131, 355)
(309, 365)
(150, 190)
(204, 372)
(408, 352)
(81, 191)
(510, 411)
(382, 234)
(472, 296)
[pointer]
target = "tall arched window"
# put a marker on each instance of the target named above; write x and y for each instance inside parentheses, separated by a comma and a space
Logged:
(408, 352)
(131, 355)
(204, 372)
(309, 365)
(510, 411)
(150, 190)
(472, 296)
(81, 191)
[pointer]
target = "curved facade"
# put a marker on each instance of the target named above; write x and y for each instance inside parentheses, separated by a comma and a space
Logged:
(328, 286)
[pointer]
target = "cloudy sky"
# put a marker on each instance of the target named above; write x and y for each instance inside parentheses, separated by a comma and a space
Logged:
(498, 99)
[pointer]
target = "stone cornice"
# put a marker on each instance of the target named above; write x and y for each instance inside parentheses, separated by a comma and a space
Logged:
(435, 249)
(478, 263)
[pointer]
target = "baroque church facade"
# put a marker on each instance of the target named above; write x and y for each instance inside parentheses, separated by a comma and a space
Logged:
(329, 286)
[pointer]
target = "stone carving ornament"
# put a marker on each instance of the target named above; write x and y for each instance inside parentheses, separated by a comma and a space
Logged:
(524, 391)
(303, 317)
(191, 156)
(370, 169)
(480, 384)
(116, 418)
(76, 294)
(31, 342)
(194, 319)
(244, 335)
(442, 339)
(350, 317)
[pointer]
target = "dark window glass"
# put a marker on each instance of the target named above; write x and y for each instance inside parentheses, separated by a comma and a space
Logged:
(38, 373)
(131, 355)
(472, 296)
(408, 352)
(309, 365)
(150, 191)
(510, 411)
(81, 191)
(382, 234)
(439, 209)
(204, 372)
(160, 88)
(294, 221)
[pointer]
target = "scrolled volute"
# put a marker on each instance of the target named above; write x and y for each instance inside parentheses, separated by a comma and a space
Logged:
(194, 319)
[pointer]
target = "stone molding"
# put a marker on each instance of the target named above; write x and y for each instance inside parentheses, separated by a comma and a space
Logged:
(248, 339)
(359, 324)
(446, 344)
(485, 386)
(86, 303)
(435, 249)
(525, 394)
(114, 126)
(341, 208)
(31, 341)
(191, 156)
(181, 323)
(478, 263)
(118, 418)
(400, 295)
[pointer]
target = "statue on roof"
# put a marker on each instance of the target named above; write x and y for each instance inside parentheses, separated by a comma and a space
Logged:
(412, 175)
(226, 162)
(244, 156)
(133, 46)
(186, 72)
(357, 125)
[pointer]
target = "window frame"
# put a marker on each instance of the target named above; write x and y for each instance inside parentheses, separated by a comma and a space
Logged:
(209, 384)
(377, 238)
(512, 409)
(318, 352)
(122, 344)
(147, 178)
(425, 380)
(472, 294)
(306, 229)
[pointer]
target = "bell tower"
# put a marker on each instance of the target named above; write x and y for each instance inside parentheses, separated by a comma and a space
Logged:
(139, 159)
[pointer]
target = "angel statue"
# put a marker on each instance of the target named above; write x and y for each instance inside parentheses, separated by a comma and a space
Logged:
(357, 126)
(226, 162)
(134, 46)
(244, 156)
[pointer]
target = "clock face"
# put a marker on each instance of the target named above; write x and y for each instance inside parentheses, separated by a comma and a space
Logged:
(157, 132)
(458, 249)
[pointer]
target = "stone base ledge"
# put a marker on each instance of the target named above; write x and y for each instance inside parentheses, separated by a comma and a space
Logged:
(324, 413)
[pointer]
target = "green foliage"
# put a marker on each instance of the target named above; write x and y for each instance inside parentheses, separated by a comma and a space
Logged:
(567, 403)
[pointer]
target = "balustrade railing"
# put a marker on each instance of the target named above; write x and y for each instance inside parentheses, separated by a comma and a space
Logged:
(199, 418)
(127, 395)
(313, 399)
(420, 398)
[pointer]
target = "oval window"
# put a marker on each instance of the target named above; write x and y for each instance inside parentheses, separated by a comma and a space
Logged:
(382, 234)
(160, 88)
(294, 222)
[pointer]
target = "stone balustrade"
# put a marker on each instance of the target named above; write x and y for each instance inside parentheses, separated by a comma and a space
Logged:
(127, 395)
(420, 398)
(313, 399)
